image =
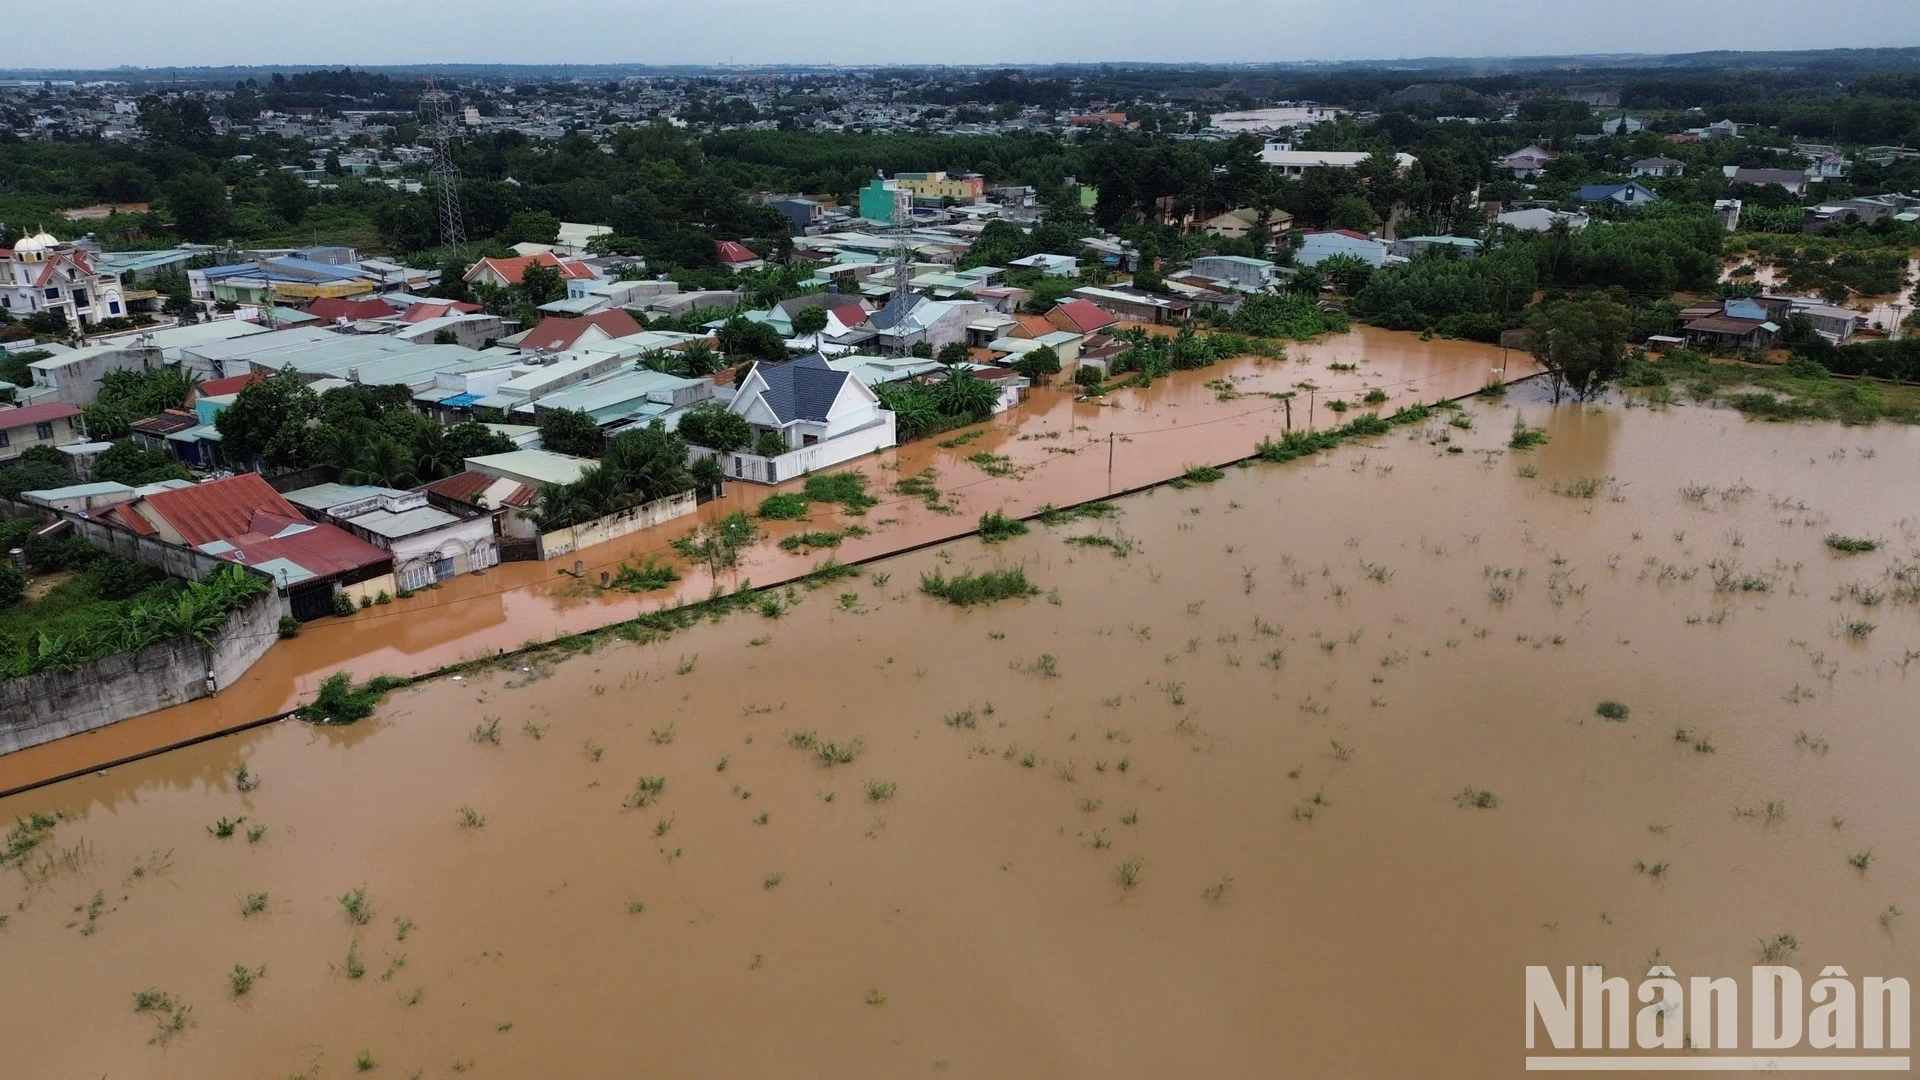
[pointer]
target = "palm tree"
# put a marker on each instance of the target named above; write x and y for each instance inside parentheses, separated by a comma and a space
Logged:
(432, 457)
(965, 394)
(650, 462)
(383, 463)
(601, 491)
(915, 413)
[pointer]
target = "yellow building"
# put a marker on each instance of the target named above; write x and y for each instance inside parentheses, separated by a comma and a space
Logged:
(938, 185)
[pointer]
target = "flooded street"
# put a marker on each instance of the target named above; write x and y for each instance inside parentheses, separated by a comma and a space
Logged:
(1056, 451)
(1300, 766)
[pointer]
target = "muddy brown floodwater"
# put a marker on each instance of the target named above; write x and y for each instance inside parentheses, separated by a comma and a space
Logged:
(1051, 449)
(1265, 697)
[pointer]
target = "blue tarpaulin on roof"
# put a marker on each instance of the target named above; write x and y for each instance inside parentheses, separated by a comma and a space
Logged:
(461, 401)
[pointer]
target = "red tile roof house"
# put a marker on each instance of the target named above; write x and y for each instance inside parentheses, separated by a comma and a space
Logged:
(419, 313)
(333, 310)
(736, 256)
(54, 423)
(1080, 317)
(232, 384)
(557, 334)
(502, 273)
(243, 519)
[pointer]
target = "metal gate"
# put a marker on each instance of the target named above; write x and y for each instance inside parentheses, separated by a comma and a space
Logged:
(311, 602)
(515, 549)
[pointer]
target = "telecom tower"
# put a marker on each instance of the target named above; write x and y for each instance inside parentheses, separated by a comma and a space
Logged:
(436, 115)
(902, 270)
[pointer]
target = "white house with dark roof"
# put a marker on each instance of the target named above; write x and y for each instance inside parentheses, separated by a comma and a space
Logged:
(1631, 193)
(822, 416)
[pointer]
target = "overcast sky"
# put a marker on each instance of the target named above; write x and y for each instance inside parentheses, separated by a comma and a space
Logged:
(161, 33)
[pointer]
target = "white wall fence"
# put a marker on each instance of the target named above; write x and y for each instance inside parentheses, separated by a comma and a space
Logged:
(615, 525)
(859, 442)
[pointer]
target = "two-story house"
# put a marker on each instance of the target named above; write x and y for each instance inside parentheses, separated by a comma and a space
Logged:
(43, 274)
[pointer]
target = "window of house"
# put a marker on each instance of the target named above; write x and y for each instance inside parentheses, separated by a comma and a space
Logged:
(79, 298)
(113, 306)
(4, 440)
(43, 430)
(53, 294)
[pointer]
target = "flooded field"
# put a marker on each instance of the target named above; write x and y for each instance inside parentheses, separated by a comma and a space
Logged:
(1287, 773)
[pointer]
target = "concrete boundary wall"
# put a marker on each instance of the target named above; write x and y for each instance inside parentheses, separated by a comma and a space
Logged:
(616, 525)
(49, 705)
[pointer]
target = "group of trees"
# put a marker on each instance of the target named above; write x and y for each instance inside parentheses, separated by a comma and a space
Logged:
(154, 613)
(923, 407)
(635, 467)
(370, 433)
(128, 394)
(1646, 260)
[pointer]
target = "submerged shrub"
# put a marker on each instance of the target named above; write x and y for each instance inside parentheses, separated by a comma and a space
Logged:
(986, 587)
(341, 702)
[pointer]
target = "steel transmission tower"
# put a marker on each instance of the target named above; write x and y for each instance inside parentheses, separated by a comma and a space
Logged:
(902, 270)
(436, 115)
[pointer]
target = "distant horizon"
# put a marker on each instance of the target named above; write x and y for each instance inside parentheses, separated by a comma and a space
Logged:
(1411, 64)
(1013, 33)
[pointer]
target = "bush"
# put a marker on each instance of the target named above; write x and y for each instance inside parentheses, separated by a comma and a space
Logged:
(648, 576)
(1293, 316)
(196, 609)
(983, 588)
(716, 427)
(33, 474)
(12, 585)
(849, 489)
(1038, 364)
(1087, 375)
(569, 431)
(341, 702)
(996, 526)
(770, 444)
(48, 553)
(342, 604)
(289, 627)
(786, 506)
(116, 578)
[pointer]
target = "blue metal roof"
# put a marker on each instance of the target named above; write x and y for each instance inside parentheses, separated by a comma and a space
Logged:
(461, 401)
